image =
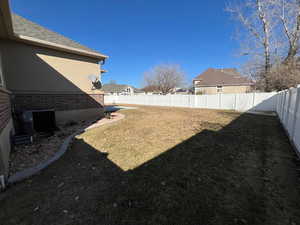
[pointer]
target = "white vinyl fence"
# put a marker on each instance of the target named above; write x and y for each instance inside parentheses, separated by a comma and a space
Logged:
(239, 102)
(285, 103)
(288, 110)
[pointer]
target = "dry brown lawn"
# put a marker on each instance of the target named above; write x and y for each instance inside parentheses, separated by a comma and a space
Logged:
(166, 166)
(150, 131)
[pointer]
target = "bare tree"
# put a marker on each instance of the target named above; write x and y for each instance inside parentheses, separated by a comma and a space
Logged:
(150, 88)
(273, 31)
(288, 13)
(285, 75)
(255, 17)
(164, 77)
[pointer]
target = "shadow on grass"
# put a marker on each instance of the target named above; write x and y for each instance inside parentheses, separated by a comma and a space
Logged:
(243, 173)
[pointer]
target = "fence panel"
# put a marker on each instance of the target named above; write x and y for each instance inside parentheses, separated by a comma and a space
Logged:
(228, 101)
(240, 102)
(200, 101)
(212, 101)
(296, 135)
(265, 101)
(285, 103)
(291, 110)
(244, 102)
(288, 110)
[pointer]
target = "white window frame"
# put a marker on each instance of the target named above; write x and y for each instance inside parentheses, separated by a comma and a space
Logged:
(219, 89)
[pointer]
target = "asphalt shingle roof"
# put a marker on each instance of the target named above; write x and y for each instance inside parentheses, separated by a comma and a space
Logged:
(215, 77)
(25, 27)
(114, 88)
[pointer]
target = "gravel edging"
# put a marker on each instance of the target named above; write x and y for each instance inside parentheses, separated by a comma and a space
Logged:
(22, 175)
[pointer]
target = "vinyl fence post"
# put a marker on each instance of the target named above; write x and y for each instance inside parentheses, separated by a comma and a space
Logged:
(296, 112)
(286, 119)
(277, 101)
(283, 106)
(220, 100)
(235, 102)
(253, 100)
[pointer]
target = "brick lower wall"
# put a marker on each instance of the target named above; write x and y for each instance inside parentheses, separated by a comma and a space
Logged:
(58, 102)
(5, 109)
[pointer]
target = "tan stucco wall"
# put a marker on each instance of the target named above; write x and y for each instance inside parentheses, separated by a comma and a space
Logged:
(37, 69)
(226, 89)
(5, 148)
(63, 117)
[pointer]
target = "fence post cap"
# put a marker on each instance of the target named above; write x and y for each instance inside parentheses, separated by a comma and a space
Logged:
(298, 86)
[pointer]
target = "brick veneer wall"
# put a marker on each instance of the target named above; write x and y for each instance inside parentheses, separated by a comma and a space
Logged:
(58, 102)
(5, 109)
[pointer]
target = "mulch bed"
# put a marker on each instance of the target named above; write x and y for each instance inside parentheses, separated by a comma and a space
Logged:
(43, 148)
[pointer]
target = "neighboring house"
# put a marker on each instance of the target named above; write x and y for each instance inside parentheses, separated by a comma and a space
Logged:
(214, 81)
(118, 89)
(44, 71)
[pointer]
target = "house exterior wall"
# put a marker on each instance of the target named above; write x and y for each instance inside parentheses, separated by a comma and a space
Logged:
(68, 107)
(225, 89)
(42, 78)
(37, 69)
(6, 128)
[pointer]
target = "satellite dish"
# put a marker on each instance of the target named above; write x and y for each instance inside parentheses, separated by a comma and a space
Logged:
(97, 84)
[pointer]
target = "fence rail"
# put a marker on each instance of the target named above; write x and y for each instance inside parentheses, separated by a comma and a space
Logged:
(239, 102)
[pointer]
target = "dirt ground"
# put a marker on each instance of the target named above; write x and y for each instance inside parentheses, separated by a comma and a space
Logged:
(166, 166)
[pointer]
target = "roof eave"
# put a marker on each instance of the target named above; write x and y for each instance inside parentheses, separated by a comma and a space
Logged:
(214, 85)
(42, 43)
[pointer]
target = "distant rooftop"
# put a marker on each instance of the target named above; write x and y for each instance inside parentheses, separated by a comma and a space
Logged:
(228, 76)
(116, 88)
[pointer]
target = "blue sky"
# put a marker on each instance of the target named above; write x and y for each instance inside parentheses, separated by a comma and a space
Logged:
(139, 34)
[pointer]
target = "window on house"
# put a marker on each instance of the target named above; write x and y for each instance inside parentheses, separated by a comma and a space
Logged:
(219, 89)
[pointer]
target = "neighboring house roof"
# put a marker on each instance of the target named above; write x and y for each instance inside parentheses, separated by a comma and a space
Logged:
(224, 77)
(114, 88)
(22, 26)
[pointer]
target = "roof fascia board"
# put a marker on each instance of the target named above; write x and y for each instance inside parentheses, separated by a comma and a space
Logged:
(42, 43)
(214, 85)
